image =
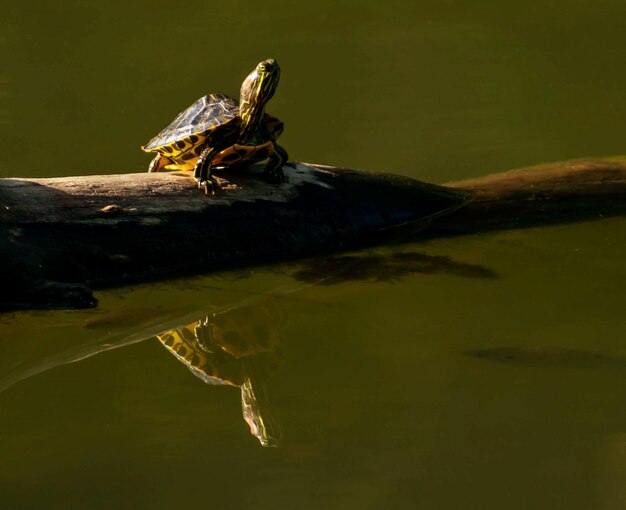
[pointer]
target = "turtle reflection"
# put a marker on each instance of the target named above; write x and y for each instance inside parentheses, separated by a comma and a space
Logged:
(239, 346)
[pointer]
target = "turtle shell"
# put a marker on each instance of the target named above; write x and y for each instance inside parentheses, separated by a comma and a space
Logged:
(206, 114)
(213, 368)
(235, 336)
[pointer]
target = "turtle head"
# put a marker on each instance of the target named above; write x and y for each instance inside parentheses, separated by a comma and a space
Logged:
(257, 89)
(268, 66)
(257, 411)
(260, 85)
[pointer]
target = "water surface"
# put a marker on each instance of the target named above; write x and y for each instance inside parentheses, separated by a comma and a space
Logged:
(379, 402)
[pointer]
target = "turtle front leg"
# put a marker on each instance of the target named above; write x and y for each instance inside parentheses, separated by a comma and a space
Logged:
(274, 170)
(204, 336)
(202, 170)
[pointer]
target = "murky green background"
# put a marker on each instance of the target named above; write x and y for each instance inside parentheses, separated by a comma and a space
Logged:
(380, 405)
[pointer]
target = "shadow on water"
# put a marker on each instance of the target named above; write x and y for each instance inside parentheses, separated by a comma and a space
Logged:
(548, 357)
(384, 268)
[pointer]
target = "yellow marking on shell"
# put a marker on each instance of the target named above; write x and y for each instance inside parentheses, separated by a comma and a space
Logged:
(177, 167)
(243, 153)
(175, 342)
(217, 366)
(233, 155)
(183, 155)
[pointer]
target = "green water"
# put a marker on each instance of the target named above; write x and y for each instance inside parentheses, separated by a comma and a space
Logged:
(380, 402)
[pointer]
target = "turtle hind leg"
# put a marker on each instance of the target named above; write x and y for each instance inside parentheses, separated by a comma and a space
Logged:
(274, 170)
(159, 163)
(202, 170)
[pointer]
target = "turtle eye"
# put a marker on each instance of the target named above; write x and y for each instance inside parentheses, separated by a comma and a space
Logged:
(266, 66)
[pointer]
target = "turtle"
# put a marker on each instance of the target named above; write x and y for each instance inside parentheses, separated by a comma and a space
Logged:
(219, 131)
(240, 347)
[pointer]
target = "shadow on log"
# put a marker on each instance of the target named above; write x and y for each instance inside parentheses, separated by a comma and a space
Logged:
(61, 236)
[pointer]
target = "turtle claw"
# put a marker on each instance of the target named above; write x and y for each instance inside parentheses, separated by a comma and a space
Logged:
(207, 186)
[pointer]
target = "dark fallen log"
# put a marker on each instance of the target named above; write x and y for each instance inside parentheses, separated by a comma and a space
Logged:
(565, 192)
(60, 237)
